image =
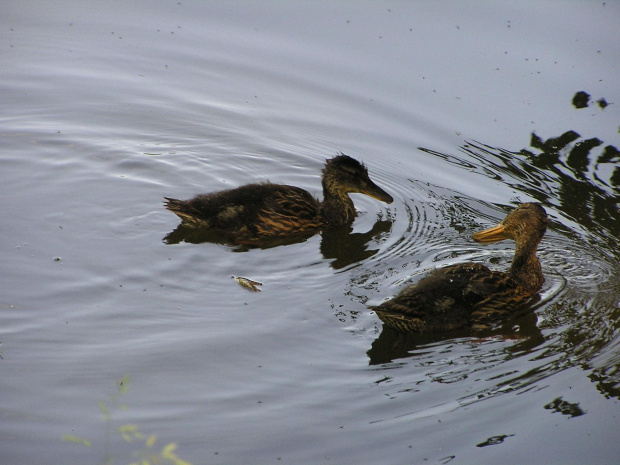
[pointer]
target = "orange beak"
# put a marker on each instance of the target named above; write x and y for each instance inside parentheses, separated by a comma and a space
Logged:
(494, 234)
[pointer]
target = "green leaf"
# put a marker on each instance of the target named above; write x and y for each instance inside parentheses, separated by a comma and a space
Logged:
(103, 407)
(129, 432)
(77, 440)
(168, 450)
(150, 442)
(128, 428)
(178, 461)
(168, 453)
(123, 384)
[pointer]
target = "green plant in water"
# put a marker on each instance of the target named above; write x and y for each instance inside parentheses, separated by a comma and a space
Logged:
(146, 453)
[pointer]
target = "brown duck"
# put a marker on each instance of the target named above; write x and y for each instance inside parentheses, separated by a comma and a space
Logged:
(469, 294)
(265, 210)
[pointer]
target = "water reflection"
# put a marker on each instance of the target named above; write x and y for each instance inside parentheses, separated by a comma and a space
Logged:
(494, 440)
(342, 246)
(564, 171)
(564, 407)
(582, 100)
(582, 190)
(392, 345)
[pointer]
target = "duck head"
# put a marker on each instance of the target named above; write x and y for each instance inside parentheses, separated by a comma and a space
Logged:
(343, 175)
(525, 224)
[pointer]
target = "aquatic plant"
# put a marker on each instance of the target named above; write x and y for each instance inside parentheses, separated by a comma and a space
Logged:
(145, 452)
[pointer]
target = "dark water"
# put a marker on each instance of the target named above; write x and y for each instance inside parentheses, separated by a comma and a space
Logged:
(112, 336)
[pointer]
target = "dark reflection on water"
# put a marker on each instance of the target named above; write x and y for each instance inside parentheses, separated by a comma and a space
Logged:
(563, 173)
(392, 345)
(582, 100)
(193, 235)
(564, 407)
(494, 440)
(590, 200)
(342, 246)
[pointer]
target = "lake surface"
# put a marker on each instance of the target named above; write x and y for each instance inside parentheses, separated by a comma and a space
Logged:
(116, 346)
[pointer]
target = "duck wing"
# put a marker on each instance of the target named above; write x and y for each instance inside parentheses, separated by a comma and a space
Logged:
(453, 297)
(441, 301)
(286, 210)
(498, 295)
(253, 208)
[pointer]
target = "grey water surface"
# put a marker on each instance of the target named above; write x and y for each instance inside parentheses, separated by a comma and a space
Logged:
(117, 345)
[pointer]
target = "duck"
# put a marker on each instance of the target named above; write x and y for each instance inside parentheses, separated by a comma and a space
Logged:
(257, 211)
(470, 295)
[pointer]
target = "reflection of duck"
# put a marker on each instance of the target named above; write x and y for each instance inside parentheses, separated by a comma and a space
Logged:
(392, 344)
(469, 294)
(264, 210)
(344, 247)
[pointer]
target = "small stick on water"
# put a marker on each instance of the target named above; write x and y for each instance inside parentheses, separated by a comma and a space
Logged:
(248, 283)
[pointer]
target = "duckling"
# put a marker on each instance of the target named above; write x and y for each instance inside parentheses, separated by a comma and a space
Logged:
(470, 294)
(264, 210)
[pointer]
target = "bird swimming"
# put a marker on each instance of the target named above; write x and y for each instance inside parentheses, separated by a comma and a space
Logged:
(253, 212)
(470, 294)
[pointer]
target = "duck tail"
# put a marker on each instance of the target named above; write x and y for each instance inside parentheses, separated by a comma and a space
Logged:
(182, 209)
(174, 205)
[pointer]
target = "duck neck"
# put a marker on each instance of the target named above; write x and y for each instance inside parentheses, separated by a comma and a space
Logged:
(337, 208)
(526, 269)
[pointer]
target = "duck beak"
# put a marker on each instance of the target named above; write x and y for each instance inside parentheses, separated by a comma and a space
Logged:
(374, 191)
(494, 234)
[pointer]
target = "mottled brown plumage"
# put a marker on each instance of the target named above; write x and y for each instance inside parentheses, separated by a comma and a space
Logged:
(469, 294)
(256, 211)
